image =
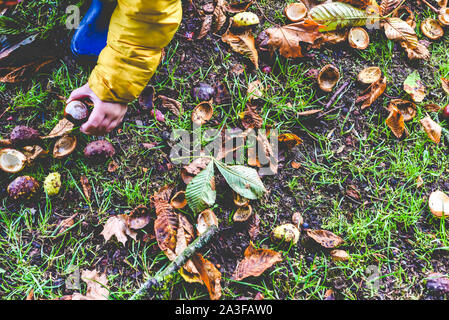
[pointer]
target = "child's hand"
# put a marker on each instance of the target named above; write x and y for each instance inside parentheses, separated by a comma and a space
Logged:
(105, 116)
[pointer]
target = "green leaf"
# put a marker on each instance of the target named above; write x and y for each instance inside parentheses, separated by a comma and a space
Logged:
(200, 192)
(338, 15)
(243, 180)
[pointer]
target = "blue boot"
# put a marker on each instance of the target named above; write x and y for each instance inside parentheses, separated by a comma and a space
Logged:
(90, 37)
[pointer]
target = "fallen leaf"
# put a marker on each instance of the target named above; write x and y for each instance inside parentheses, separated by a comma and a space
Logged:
(330, 38)
(445, 84)
(193, 168)
(419, 182)
(414, 87)
(420, 52)
(219, 15)
(150, 145)
(63, 127)
(97, 286)
(432, 129)
(387, 6)
(66, 223)
(255, 90)
(171, 104)
(255, 262)
(238, 6)
(407, 108)
(432, 107)
(23, 72)
(339, 255)
(206, 26)
(254, 227)
(374, 91)
(295, 165)
(325, 238)
(353, 192)
(34, 152)
(291, 140)
(87, 189)
(250, 118)
(287, 39)
(399, 30)
(209, 274)
(244, 44)
(395, 122)
(118, 226)
(30, 295)
(308, 112)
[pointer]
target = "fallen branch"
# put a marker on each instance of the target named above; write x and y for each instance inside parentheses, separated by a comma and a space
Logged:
(181, 260)
(336, 94)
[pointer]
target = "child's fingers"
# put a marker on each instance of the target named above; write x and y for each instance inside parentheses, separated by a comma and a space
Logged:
(79, 93)
(93, 123)
(112, 126)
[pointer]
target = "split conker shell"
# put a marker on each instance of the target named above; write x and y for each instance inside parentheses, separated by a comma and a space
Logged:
(99, 151)
(179, 200)
(328, 77)
(432, 29)
(76, 111)
(443, 16)
(439, 204)
(12, 160)
(245, 19)
(339, 255)
(23, 136)
(243, 213)
(202, 113)
(240, 201)
(295, 11)
(64, 146)
(203, 92)
(286, 233)
(369, 75)
(23, 188)
(358, 38)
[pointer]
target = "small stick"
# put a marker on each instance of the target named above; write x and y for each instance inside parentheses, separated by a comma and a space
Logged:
(430, 6)
(177, 263)
(335, 96)
(6, 110)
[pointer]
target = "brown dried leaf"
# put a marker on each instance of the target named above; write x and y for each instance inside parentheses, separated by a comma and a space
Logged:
(376, 89)
(118, 226)
(414, 87)
(387, 6)
(325, 238)
(63, 127)
(171, 104)
(290, 139)
(361, 4)
(87, 189)
(255, 262)
(308, 112)
(244, 44)
(238, 6)
(66, 223)
(250, 118)
(254, 229)
(255, 90)
(209, 274)
(432, 129)
(219, 15)
(420, 52)
(34, 152)
(445, 84)
(407, 108)
(193, 168)
(395, 122)
(206, 26)
(23, 72)
(399, 30)
(97, 286)
(432, 107)
(287, 38)
(329, 38)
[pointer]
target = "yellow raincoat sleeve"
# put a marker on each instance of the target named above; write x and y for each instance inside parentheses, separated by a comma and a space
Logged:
(138, 31)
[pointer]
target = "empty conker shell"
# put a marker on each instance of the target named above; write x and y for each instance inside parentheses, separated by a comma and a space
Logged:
(23, 188)
(358, 38)
(443, 16)
(76, 111)
(432, 29)
(243, 213)
(328, 77)
(64, 146)
(99, 151)
(240, 201)
(439, 204)
(23, 136)
(11, 160)
(369, 75)
(179, 200)
(295, 11)
(202, 113)
(205, 220)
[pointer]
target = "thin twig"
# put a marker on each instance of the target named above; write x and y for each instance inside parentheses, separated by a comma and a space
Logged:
(6, 110)
(176, 264)
(430, 6)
